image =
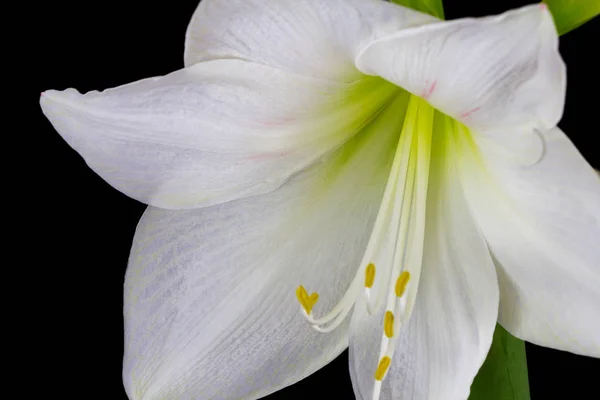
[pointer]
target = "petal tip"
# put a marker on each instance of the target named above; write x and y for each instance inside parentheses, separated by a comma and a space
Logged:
(50, 95)
(47, 99)
(54, 102)
(45, 95)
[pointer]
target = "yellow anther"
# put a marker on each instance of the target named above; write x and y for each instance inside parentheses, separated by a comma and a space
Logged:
(388, 324)
(369, 275)
(307, 302)
(402, 282)
(382, 368)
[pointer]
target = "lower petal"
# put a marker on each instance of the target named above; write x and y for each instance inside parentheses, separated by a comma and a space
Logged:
(542, 223)
(210, 305)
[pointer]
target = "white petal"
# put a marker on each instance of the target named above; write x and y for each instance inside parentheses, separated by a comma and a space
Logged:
(491, 73)
(213, 132)
(210, 306)
(450, 331)
(542, 224)
(311, 37)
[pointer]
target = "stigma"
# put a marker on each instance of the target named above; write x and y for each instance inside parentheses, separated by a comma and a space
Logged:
(389, 272)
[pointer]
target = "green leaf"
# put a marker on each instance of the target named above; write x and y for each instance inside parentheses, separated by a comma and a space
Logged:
(569, 14)
(431, 7)
(503, 375)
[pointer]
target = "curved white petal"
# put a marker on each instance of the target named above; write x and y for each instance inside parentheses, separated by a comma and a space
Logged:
(213, 132)
(210, 306)
(450, 331)
(312, 37)
(490, 73)
(542, 223)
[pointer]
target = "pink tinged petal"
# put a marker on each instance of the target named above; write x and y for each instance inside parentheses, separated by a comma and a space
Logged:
(214, 132)
(494, 74)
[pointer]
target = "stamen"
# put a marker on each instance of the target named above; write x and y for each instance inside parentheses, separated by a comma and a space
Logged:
(409, 212)
(382, 368)
(402, 196)
(370, 275)
(369, 280)
(396, 242)
(339, 311)
(380, 228)
(388, 325)
(402, 282)
(307, 302)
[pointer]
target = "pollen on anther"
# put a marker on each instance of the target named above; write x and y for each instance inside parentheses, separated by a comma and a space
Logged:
(307, 302)
(388, 324)
(382, 368)
(402, 282)
(370, 275)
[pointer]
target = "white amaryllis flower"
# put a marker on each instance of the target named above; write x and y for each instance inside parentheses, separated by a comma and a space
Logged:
(407, 169)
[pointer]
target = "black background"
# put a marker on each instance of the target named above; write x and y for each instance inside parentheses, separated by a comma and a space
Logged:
(83, 228)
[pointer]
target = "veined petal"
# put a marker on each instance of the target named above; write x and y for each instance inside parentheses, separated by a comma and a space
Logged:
(490, 73)
(214, 132)
(447, 338)
(542, 223)
(210, 309)
(311, 37)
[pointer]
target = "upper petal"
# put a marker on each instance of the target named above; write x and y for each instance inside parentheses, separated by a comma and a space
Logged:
(542, 223)
(447, 338)
(213, 132)
(210, 307)
(311, 37)
(491, 73)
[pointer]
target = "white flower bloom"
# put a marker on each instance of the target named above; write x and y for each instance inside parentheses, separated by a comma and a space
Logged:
(407, 169)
